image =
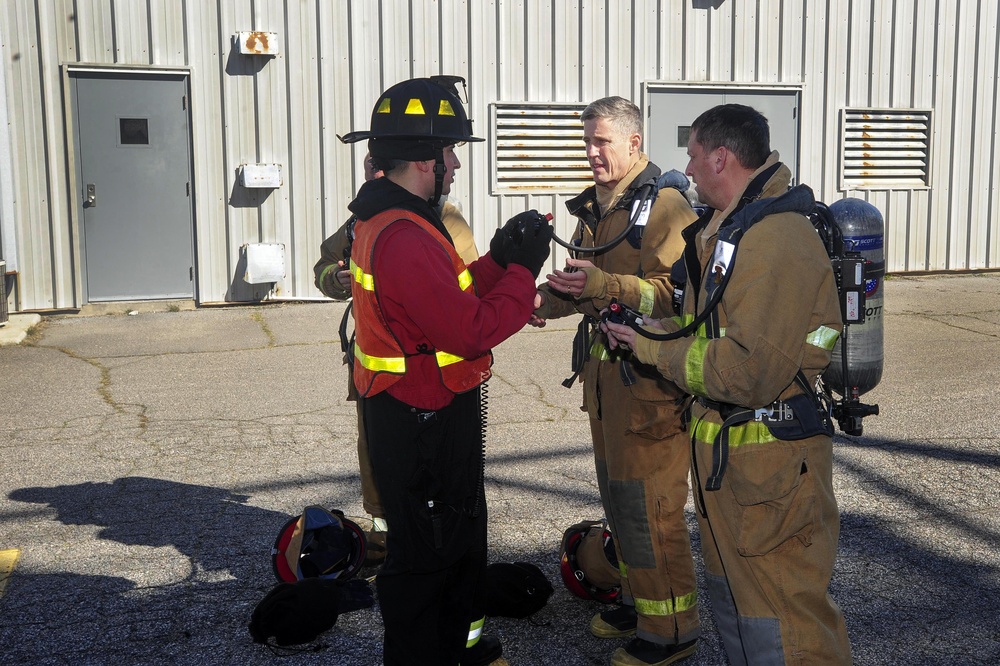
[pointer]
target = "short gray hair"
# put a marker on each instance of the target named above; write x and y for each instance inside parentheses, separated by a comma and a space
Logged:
(621, 113)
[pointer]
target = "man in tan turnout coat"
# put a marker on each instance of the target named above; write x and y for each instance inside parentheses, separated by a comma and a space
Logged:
(763, 451)
(641, 451)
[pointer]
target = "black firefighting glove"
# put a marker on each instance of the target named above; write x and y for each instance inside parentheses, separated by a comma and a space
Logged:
(501, 247)
(534, 246)
(509, 236)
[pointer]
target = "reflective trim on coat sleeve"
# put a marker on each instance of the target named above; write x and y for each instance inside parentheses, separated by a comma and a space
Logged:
(823, 337)
(647, 296)
(694, 362)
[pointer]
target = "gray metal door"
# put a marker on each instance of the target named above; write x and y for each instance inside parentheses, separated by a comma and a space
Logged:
(134, 175)
(672, 110)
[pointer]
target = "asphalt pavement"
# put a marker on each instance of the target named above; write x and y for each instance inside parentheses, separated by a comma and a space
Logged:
(147, 463)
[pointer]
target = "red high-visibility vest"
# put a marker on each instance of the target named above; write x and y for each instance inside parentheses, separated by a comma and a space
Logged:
(379, 360)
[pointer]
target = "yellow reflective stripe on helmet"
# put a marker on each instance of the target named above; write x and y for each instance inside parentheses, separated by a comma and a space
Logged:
(753, 432)
(475, 632)
(694, 370)
(395, 365)
(823, 337)
(647, 295)
(444, 109)
(415, 107)
(464, 279)
(666, 607)
(366, 280)
(384, 106)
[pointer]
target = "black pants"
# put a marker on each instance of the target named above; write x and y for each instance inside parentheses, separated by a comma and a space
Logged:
(428, 469)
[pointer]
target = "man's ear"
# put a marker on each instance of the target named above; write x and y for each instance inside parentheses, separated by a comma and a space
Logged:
(425, 165)
(722, 156)
(634, 142)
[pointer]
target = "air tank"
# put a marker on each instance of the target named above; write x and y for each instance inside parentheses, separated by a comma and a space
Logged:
(863, 231)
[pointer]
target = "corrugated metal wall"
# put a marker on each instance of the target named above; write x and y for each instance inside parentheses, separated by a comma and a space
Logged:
(337, 55)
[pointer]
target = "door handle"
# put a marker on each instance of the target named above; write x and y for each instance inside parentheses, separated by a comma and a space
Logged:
(91, 199)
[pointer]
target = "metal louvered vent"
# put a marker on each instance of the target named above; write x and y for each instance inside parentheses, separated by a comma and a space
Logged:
(539, 149)
(885, 147)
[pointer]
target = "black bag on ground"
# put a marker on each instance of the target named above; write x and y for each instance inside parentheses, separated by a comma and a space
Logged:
(298, 612)
(515, 589)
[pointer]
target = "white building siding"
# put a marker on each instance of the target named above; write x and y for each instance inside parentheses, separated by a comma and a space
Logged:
(338, 55)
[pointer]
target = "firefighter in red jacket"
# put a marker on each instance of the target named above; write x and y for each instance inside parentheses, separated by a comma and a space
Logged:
(424, 326)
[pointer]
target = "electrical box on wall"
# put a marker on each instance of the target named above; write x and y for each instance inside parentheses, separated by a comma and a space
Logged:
(256, 42)
(260, 175)
(265, 262)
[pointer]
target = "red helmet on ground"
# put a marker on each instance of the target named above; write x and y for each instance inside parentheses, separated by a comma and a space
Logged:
(318, 544)
(588, 564)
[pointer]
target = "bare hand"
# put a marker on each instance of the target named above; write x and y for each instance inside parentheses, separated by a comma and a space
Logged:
(619, 335)
(572, 280)
(344, 277)
(535, 320)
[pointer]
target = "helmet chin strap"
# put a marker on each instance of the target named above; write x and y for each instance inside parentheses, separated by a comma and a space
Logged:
(439, 171)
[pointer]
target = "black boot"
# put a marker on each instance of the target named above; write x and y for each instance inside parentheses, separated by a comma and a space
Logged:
(486, 651)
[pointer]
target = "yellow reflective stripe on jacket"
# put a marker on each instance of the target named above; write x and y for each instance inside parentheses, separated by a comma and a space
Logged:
(687, 320)
(752, 432)
(599, 351)
(366, 280)
(647, 296)
(475, 632)
(465, 279)
(823, 337)
(395, 365)
(444, 358)
(666, 607)
(694, 362)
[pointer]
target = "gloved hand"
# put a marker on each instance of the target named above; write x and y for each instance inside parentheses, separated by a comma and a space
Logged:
(534, 247)
(501, 247)
(515, 226)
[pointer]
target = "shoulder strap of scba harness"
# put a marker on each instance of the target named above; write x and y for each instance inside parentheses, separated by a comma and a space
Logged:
(798, 417)
(379, 357)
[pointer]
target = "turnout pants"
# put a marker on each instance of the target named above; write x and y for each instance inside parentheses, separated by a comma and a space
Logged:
(769, 539)
(428, 468)
(369, 491)
(643, 458)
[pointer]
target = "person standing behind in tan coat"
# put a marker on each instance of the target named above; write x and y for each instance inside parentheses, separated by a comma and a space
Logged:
(334, 279)
(641, 451)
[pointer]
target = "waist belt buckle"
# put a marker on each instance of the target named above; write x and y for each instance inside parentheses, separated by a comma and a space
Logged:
(779, 410)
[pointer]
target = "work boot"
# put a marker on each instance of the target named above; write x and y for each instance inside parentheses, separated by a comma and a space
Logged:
(641, 652)
(615, 623)
(488, 651)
